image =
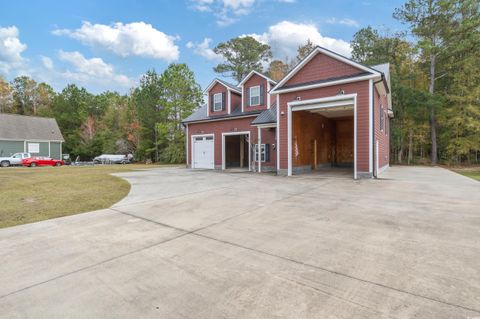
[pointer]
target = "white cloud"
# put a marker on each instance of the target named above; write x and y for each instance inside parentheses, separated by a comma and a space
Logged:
(346, 22)
(287, 1)
(131, 39)
(92, 71)
(225, 11)
(47, 62)
(285, 37)
(11, 49)
(203, 49)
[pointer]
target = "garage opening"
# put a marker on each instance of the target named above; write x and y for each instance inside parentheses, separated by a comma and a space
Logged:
(236, 151)
(323, 140)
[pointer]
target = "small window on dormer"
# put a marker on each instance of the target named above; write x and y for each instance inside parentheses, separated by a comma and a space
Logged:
(255, 95)
(217, 102)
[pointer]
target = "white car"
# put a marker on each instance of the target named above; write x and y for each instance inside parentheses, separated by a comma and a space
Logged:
(111, 159)
(15, 159)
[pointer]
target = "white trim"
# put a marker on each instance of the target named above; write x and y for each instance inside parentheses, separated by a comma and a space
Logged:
(186, 151)
(278, 132)
(208, 104)
(297, 106)
(324, 105)
(229, 101)
(193, 151)
(268, 94)
(377, 161)
(258, 155)
(355, 137)
(223, 147)
(327, 53)
(324, 84)
(49, 150)
(221, 101)
(243, 102)
(322, 100)
(289, 140)
(24, 146)
(255, 72)
(29, 140)
(250, 95)
(370, 125)
(267, 125)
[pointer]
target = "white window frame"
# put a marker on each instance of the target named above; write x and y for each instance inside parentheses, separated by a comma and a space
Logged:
(250, 96)
(215, 102)
(262, 152)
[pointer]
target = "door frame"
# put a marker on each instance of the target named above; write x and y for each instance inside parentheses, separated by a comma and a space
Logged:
(193, 147)
(326, 102)
(249, 145)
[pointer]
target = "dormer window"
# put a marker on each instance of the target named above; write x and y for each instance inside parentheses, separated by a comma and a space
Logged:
(254, 95)
(217, 102)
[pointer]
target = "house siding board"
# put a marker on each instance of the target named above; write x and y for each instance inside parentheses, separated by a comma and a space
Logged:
(43, 148)
(236, 100)
(8, 148)
(217, 88)
(360, 88)
(269, 136)
(255, 80)
(322, 67)
(55, 150)
(383, 137)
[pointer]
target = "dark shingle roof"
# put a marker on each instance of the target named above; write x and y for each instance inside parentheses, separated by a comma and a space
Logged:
(21, 127)
(201, 114)
(233, 87)
(267, 116)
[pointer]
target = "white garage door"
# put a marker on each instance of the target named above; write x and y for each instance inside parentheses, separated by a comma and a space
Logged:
(203, 152)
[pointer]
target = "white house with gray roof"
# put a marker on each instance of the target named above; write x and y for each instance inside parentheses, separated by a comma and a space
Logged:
(39, 136)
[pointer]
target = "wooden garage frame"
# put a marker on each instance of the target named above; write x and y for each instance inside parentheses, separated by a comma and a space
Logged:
(326, 102)
(249, 144)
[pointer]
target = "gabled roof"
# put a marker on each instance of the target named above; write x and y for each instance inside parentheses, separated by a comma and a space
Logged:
(229, 86)
(249, 75)
(22, 127)
(329, 53)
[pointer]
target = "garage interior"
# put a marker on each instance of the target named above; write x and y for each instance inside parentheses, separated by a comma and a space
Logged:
(236, 151)
(323, 140)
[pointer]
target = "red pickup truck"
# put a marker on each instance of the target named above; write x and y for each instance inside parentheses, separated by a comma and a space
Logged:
(41, 161)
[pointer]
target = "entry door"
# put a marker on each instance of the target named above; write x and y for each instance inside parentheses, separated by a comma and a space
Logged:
(203, 156)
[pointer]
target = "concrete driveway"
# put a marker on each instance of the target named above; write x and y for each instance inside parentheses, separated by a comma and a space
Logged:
(201, 244)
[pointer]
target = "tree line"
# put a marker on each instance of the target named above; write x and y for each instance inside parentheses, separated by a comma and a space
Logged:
(435, 79)
(145, 122)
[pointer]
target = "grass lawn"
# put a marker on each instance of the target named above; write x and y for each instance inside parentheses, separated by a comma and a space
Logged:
(470, 172)
(33, 194)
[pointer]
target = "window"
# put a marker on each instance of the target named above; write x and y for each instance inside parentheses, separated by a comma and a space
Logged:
(382, 119)
(254, 95)
(217, 102)
(262, 153)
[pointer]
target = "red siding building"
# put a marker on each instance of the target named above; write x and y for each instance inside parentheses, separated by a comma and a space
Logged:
(328, 112)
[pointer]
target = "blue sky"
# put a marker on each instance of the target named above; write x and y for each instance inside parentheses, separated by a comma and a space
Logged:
(108, 45)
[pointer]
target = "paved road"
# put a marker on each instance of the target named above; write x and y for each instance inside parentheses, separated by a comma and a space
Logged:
(201, 244)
